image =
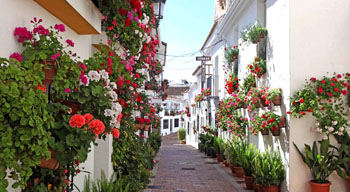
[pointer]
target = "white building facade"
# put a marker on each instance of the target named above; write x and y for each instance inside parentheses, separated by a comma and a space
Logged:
(296, 49)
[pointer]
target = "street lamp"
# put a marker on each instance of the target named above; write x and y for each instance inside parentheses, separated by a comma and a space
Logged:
(158, 7)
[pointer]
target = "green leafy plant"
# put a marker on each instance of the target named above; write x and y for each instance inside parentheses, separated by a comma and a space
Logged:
(322, 161)
(247, 160)
(231, 54)
(105, 185)
(181, 134)
(248, 82)
(304, 100)
(254, 33)
(24, 122)
(269, 169)
(235, 150)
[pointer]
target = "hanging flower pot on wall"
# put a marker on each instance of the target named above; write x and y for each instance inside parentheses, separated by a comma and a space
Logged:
(275, 131)
(50, 71)
(264, 132)
(51, 163)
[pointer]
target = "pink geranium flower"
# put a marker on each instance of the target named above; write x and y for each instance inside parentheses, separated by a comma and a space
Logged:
(70, 42)
(16, 56)
(60, 27)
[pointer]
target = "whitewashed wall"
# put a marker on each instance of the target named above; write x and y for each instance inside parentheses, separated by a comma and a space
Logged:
(319, 43)
(18, 13)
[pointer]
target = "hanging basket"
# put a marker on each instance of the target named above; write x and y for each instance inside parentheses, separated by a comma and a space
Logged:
(276, 132)
(74, 106)
(282, 122)
(264, 132)
(51, 163)
(277, 100)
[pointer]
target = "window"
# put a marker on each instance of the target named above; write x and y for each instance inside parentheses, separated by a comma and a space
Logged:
(209, 82)
(166, 124)
(176, 123)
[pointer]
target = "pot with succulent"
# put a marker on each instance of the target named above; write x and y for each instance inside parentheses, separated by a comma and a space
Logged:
(322, 161)
(231, 54)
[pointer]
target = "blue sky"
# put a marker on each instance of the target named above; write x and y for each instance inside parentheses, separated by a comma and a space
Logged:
(185, 26)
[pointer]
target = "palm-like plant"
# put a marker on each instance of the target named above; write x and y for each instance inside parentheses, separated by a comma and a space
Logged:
(105, 185)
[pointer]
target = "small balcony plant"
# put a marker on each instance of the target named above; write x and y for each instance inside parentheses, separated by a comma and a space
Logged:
(258, 67)
(254, 33)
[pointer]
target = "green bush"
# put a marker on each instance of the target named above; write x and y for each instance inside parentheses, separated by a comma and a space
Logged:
(155, 140)
(182, 134)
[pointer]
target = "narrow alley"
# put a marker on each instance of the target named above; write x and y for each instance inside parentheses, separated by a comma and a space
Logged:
(183, 168)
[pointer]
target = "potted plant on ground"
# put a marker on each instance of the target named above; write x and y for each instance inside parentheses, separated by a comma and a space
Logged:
(182, 135)
(247, 161)
(218, 146)
(269, 171)
(322, 161)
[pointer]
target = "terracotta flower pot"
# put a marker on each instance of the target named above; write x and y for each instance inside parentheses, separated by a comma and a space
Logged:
(262, 36)
(51, 163)
(249, 182)
(256, 41)
(183, 142)
(259, 188)
(227, 164)
(320, 187)
(271, 188)
(234, 57)
(139, 126)
(215, 133)
(263, 102)
(219, 157)
(74, 106)
(282, 122)
(49, 69)
(275, 132)
(146, 127)
(232, 169)
(277, 100)
(264, 132)
(239, 172)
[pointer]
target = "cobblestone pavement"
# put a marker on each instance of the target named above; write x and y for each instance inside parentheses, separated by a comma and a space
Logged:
(182, 168)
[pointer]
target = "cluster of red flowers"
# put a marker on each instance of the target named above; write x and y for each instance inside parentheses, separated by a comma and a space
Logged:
(258, 67)
(95, 125)
(331, 87)
(232, 84)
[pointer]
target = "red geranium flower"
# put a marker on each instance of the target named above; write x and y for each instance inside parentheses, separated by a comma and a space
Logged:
(77, 121)
(88, 117)
(97, 126)
(115, 133)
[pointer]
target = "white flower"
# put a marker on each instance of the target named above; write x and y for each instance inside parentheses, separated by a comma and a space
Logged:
(113, 85)
(148, 39)
(340, 133)
(4, 65)
(335, 122)
(113, 95)
(325, 137)
(341, 129)
(94, 76)
(318, 129)
(131, 88)
(138, 70)
(137, 31)
(108, 113)
(317, 124)
(117, 107)
(104, 75)
(330, 129)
